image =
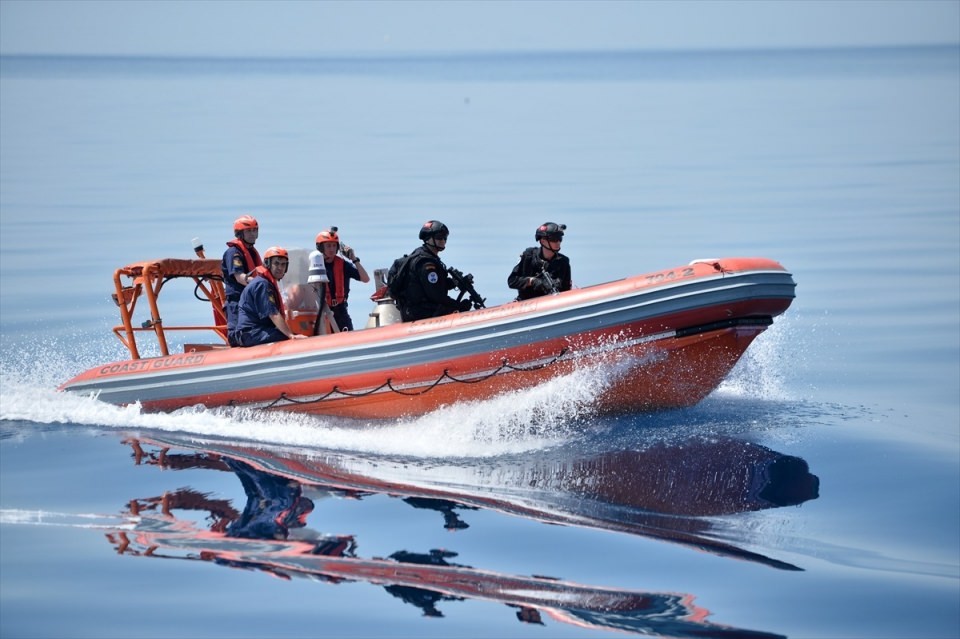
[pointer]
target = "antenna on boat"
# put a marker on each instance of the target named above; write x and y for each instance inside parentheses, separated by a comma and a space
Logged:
(216, 294)
(334, 229)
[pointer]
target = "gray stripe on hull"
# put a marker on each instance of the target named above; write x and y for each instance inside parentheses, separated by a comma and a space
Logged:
(413, 350)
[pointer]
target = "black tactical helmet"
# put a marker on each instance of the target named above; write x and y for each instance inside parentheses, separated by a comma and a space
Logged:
(433, 228)
(550, 231)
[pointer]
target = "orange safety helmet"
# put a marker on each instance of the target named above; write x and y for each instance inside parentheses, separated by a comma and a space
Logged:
(245, 223)
(276, 251)
(327, 236)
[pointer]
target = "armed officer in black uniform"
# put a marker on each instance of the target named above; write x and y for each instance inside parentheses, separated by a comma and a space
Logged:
(424, 280)
(542, 269)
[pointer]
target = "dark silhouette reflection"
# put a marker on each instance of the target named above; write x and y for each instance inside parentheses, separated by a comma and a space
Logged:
(451, 521)
(529, 615)
(423, 598)
(699, 478)
(274, 504)
(665, 492)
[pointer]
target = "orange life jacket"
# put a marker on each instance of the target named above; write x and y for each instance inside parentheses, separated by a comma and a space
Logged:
(250, 254)
(336, 275)
(263, 271)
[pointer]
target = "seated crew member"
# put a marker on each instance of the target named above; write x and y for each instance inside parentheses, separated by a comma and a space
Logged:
(239, 261)
(542, 269)
(425, 281)
(339, 272)
(261, 314)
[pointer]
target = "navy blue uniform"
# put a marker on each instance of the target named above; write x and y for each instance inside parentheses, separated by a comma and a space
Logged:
(257, 303)
(234, 262)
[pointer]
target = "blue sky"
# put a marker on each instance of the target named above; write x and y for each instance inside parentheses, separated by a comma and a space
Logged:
(306, 27)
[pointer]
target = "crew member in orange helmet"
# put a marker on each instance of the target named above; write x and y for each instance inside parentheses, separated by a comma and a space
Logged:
(340, 270)
(239, 261)
(261, 318)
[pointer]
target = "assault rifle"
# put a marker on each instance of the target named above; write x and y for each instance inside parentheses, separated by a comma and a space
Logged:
(465, 284)
(553, 285)
(547, 283)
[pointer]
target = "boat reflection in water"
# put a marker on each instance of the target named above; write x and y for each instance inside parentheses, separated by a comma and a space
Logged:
(663, 492)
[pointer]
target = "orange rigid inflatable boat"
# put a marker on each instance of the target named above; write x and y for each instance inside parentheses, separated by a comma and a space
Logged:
(667, 339)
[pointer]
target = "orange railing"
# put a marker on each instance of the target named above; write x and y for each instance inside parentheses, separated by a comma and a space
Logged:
(148, 279)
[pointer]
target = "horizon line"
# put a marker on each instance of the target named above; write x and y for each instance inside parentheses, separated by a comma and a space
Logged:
(371, 54)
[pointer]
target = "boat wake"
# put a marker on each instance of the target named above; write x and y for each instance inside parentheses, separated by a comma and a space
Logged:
(761, 371)
(537, 418)
(520, 421)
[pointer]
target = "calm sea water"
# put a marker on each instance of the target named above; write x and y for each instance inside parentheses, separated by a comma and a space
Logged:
(815, 494)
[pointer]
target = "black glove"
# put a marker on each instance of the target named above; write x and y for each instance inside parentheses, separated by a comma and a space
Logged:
(451, 284)
(464, 306)
(541, 285)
